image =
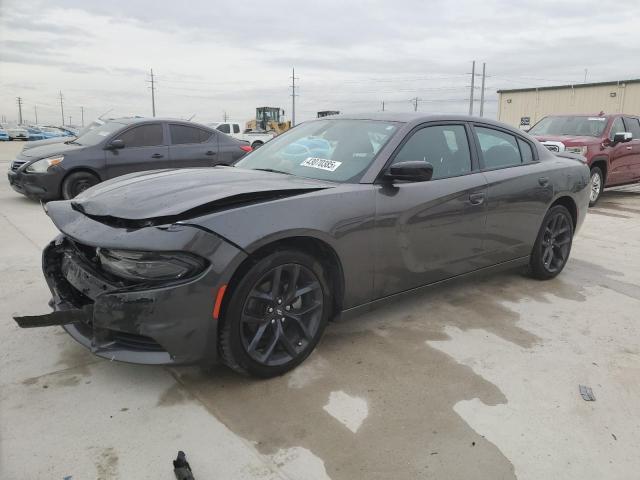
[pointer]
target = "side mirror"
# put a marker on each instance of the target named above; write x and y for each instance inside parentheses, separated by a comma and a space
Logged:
(622, 137)
(412, 171)
(116, 145)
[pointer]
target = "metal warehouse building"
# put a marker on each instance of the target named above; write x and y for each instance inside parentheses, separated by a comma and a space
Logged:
(525, 106)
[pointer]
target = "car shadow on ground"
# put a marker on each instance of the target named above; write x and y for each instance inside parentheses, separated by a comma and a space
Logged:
(410, 388)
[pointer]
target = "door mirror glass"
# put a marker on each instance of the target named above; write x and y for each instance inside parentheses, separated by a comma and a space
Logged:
(410, 171)
(622, 137)
(116, 144)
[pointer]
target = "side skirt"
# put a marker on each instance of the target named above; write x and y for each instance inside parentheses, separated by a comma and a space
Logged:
(367, 307)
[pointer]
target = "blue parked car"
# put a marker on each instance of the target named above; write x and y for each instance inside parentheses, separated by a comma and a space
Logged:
(4, 136)
(35, 134)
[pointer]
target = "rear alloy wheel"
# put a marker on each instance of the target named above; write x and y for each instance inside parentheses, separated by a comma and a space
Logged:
(553, 245)
(597, 184)
(256, 145)
(76, 183)
(276, 315)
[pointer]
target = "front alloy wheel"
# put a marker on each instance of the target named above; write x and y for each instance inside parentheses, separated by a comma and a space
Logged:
(276, 316)
(597, 182)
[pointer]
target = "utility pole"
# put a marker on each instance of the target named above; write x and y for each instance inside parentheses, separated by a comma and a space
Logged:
(153, 95)
(415, 103)
(35, 109)
(293, 97)
(585, 75)
(224, 115)
(69, 119)
(484, 65)
(383, 105)
(473, 77)
(82, 115)
(19, 110)
(61, 109)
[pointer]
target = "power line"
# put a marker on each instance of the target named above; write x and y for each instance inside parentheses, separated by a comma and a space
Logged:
(293, 97)
(61, 108)
(19, 99)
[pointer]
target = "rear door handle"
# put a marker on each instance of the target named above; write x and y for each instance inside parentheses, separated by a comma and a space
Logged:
(476, 198)
(629, 148)
(210, 152)
(157, 155)
(543, 181)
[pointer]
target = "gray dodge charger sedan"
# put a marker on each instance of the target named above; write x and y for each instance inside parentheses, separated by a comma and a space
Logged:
(246, 264)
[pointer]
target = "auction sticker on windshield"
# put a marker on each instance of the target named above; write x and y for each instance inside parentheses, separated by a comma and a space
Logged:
(321, 163)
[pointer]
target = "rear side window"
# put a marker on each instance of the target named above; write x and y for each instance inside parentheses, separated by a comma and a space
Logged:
(143, 136)
(444, 146)
(633, 126)
(224, 128)
(525, 151)
(181, 134)
(499, 149)
(236, 128)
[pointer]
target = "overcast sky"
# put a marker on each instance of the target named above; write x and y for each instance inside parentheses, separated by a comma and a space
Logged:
(213, 56)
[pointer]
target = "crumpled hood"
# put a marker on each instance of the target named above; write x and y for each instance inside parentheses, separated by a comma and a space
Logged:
(167, 194)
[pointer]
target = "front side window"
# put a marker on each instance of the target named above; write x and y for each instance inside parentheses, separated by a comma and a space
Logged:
(443, 146)
(143, 136)
(182, 134)
(633, 126)
(336, 150)
(616, 127)
(224, 128)
(498, 149)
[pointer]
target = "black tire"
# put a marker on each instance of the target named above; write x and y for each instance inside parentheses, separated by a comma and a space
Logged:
(553, 244)
(76, 183)
(257, 335)
(257, 144)
(596, 184)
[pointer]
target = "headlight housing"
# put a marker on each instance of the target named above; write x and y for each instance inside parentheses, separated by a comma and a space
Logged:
(139, 266)
(582, 150)
(41, 166)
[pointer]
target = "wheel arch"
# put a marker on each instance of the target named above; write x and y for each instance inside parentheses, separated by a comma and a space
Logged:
(570, 204)
(311, 245)
(602, 163)
(76, 170)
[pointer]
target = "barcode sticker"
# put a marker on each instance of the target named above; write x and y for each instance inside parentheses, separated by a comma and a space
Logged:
(321, 163)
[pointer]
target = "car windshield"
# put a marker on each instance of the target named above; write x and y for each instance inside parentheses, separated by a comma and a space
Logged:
(98, 134)
(336, 150)
(570, 125)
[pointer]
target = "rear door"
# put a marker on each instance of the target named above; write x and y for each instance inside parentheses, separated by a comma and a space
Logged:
(620, 156)
(144, 149)
(519, 191)
(192, 146)
(429, 231)
(632, 125)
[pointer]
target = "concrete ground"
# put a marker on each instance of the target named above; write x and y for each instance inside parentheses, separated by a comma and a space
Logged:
(475, 380)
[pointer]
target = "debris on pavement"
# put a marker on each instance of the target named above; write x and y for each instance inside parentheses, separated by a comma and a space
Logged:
(587, 393)
(181, 467)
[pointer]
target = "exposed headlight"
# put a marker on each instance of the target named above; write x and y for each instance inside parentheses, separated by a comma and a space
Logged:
(150, 266)
(41, 166)
(579, 150)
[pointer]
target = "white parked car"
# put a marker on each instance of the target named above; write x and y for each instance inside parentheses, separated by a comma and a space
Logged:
(255, 139)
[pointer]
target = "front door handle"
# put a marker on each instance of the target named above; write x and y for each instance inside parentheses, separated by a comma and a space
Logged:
(543, 181)
(476, 198)
(629, 148)
(210, 152)
(157, 155)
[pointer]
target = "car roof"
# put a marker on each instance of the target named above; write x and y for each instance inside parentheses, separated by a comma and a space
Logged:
(135, 120)
(413, 118)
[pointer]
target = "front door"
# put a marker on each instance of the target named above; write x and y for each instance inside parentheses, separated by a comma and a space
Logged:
(144, 149)
(429, 231)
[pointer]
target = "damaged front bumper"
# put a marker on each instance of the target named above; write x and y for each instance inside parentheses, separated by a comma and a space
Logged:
(159, 324)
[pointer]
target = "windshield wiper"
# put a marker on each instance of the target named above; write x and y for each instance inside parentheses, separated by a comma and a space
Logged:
(271, 170)
(74, 142)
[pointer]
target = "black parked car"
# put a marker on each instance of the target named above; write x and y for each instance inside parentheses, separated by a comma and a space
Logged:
(246, 264)
(63, 170)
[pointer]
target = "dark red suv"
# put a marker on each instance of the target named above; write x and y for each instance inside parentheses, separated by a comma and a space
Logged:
(611, 144)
